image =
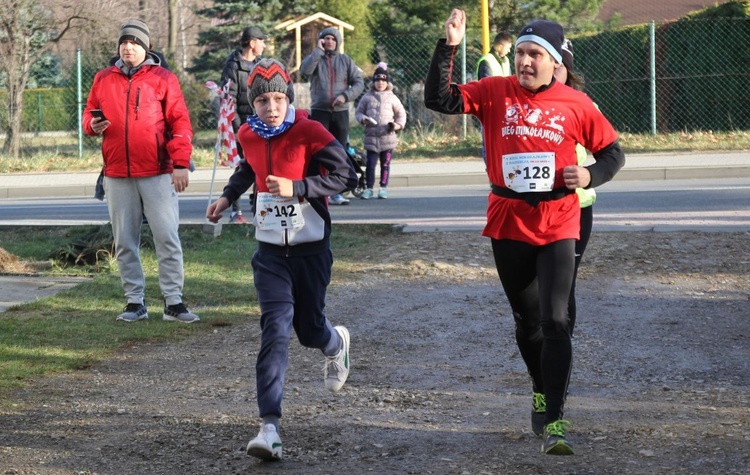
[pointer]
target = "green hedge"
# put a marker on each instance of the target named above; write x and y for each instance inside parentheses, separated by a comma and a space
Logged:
(44, 110)
(701, 72)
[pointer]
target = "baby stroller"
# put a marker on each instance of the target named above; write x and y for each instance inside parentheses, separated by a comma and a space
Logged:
(358, 162)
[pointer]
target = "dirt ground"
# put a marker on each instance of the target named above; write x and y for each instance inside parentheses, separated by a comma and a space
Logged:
(660, 383)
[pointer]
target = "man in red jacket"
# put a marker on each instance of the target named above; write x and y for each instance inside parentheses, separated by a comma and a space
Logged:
(146, 147)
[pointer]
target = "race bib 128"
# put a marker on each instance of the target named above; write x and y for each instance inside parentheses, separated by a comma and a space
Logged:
(529, 172)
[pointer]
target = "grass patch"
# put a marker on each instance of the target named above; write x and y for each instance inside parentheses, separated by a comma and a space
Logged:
(76, 329)
(418, 142)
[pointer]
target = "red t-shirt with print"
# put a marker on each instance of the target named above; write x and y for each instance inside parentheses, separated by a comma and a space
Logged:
(519, 123)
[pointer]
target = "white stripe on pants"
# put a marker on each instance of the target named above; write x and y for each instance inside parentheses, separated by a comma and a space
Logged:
(128, 199)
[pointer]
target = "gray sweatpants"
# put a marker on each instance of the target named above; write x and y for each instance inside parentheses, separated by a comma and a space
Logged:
(128, 199)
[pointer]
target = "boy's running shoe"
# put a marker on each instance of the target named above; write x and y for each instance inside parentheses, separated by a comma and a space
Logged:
(555, 442)
(538, 411)
(338, 200)
(237, 218)
(367, 194)
(383, 193)
(336, 368)
(266, 445)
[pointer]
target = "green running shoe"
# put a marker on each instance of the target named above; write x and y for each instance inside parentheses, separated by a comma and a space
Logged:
(538, 410)
(555, 442)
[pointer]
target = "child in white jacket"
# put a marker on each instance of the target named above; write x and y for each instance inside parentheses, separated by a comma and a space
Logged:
(382, 114)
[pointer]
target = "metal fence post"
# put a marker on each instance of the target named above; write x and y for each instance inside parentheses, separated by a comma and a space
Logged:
(78, 100)
(652, 56)
(38, 113)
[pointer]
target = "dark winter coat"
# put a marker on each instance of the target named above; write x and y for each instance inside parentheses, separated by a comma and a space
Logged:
(331, 74)
(238, 69)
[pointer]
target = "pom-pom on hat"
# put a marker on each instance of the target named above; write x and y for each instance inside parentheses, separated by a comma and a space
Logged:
(269, 75)
(135, 30)
(547, 34)
(567, 54)
(381, 72)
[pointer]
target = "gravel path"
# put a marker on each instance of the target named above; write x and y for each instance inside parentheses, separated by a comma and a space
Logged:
(660, 383)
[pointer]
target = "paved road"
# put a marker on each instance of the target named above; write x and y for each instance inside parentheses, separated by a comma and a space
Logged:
(707, 190)
(714, 197)
(721, 204)
(656, 167)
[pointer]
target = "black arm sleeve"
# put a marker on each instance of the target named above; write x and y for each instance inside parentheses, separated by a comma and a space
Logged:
(609, 161)
(240, 181)
(439, 93)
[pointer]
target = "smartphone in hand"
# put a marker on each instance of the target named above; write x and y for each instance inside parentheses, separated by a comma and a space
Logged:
(98, 113)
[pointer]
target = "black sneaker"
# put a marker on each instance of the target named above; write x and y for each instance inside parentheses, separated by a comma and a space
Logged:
(133, 312)
(179, 313)
(538, 411)
(555, 442)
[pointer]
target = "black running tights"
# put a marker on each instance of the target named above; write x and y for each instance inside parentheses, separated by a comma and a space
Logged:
(537, 281)
(587, 221)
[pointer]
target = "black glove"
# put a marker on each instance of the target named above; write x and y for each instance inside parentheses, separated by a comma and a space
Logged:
(391, 127)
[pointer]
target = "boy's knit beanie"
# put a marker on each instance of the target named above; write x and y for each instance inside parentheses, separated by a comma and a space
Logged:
(269, 75)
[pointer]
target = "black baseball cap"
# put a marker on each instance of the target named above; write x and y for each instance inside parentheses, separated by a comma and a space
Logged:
(252, 32)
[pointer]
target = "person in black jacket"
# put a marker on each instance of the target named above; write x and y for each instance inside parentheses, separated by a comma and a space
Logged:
(237, 69)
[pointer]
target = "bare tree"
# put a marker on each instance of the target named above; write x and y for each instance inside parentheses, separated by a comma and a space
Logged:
(28, 28)
(174, 23)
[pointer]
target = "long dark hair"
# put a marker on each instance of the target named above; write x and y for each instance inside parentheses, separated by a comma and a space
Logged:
(575, 80)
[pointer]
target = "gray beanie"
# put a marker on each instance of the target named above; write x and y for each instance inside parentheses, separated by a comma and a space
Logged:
(136, 30)
(333, 32)
(269, 75)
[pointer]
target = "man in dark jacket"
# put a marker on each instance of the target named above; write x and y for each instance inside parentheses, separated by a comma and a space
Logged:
(237, 69)
(146, 148)
(335, 82)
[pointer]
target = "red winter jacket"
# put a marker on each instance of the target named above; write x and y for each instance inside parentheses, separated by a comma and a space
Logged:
(150, 129)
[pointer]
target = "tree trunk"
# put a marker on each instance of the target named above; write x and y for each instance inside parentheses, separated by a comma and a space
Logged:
(20, 22)
(174, 25)
(18, 74)
(12, 144)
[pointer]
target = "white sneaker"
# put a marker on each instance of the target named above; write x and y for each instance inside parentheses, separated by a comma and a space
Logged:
(267, 445)
(336, 368)
(339, 200)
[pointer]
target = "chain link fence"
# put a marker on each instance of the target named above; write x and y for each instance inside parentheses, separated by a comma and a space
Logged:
(679, 76)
